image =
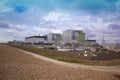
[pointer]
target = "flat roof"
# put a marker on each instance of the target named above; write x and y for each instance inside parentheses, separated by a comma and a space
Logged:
(36, 37)
(90, 40)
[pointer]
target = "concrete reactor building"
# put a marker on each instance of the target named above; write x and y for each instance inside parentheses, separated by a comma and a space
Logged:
(73, 36)
(52, 37)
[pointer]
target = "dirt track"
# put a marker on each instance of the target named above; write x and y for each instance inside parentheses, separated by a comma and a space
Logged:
(16, 65)
(73, 65)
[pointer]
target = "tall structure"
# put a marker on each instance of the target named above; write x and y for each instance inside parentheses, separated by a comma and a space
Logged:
(57, 37)
(68, 36)
(51, 37)
(73, 36)
(80, 36)
(103, 40)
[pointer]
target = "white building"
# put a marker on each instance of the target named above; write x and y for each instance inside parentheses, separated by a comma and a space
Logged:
(68, 36)
(50, 37)
(36, 39)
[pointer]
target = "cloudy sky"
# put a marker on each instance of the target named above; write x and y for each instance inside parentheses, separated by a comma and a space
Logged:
(97, 18)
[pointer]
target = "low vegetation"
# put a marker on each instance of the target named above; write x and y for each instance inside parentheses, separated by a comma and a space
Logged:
(104, 58)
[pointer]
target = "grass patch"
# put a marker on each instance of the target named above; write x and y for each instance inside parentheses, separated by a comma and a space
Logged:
(72, 60)
(72, 56)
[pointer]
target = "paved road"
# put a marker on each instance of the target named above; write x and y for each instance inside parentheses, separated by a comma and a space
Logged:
(16, 65)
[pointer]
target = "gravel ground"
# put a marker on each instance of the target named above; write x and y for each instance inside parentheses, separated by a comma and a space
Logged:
(15, 65)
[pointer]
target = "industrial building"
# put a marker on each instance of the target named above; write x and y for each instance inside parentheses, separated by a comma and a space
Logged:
(49, 38)
(69, 36)
(36, 39)
(91, 42)
(73, 36)
(52, 37)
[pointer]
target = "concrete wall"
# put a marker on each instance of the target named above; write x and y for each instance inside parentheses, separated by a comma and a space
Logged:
(57, 37)
(50, 37)
(81, 38)
(35, 40)
(73, 36)
(68, 36)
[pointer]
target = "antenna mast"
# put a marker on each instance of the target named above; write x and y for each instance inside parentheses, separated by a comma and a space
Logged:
(103, 40)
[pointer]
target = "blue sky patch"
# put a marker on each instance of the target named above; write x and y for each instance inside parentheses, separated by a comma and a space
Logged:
(19, 9)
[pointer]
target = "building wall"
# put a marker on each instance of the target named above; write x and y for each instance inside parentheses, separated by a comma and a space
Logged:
(91, 42)
(73, 36)
(35, 40)
(57, 37)
(50, 37)
(81, 38)
(68, 36)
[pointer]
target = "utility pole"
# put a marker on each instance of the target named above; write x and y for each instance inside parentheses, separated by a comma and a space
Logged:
(39, 34)
(103, 40)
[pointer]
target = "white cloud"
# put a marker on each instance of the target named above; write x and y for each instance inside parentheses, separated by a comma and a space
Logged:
(56, 16)
(57, 22)
(91, 25)
(4, 37)
(4, 8)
